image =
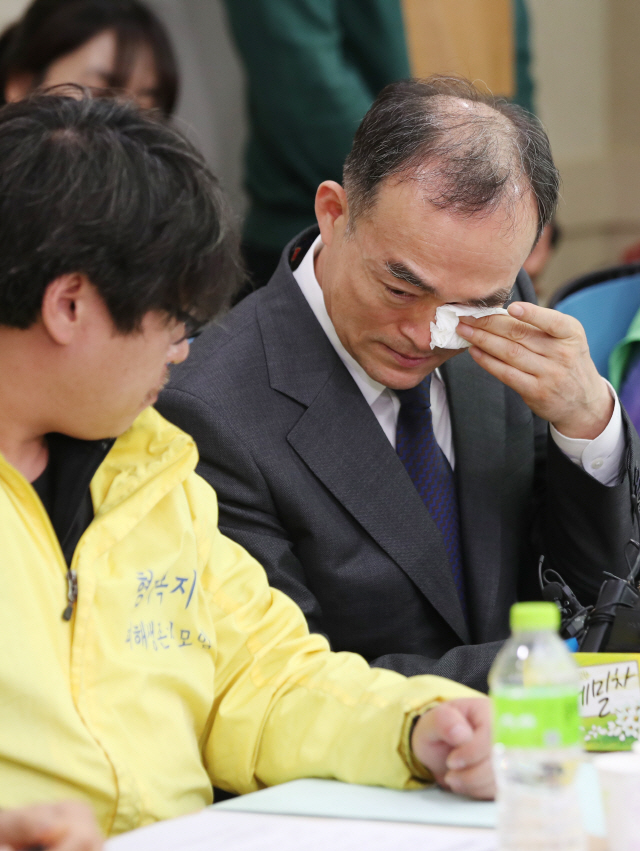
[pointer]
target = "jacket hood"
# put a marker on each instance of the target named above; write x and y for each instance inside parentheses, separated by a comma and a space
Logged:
(143, 466)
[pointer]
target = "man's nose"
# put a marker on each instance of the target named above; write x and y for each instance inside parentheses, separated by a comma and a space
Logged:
(416, 327)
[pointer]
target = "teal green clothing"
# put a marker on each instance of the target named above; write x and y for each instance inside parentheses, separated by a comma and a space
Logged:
(621, 355)
(313, 69)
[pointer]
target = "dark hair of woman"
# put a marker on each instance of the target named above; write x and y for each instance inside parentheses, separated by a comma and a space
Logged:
(51, 29)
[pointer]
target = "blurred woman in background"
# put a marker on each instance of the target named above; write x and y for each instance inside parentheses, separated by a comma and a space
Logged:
(112, 44)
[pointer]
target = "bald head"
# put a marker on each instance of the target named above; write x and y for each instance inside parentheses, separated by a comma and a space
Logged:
(471, 152)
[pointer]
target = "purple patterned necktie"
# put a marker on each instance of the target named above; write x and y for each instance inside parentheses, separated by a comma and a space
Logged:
(430, 472)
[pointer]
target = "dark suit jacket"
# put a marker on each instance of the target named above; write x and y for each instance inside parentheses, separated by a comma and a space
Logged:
(310, 485)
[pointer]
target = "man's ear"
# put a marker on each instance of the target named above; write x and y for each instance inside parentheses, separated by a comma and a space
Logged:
(18, 86)
(331, 209)
(64, 306)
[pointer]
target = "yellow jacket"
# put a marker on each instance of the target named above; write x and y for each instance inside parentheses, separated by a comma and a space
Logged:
(180, 665)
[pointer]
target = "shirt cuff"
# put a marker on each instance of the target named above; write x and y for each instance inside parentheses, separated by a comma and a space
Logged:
(601, 457)
(417, 769)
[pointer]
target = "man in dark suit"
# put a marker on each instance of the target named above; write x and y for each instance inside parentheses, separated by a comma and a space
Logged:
(405, 523)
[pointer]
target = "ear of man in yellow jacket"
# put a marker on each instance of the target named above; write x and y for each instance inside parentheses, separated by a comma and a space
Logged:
(181, 667)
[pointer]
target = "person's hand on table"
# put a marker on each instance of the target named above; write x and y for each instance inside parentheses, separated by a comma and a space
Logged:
(453, 740)
(543, 355)
(63, 826)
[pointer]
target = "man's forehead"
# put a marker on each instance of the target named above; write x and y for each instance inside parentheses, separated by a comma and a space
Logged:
(410, 196)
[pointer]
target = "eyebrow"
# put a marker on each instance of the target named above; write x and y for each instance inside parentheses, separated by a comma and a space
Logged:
(496, 299)
(403, 273)
(399, 270)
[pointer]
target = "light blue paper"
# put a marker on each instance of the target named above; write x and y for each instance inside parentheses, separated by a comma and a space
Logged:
(331, 799)
(343, 800)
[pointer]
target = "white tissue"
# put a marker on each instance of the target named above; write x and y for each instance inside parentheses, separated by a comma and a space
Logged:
(443, 330)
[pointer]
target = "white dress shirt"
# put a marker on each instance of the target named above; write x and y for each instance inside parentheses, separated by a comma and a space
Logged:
(601, 457)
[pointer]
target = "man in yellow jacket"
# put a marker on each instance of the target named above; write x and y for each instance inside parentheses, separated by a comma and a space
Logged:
(143, 656)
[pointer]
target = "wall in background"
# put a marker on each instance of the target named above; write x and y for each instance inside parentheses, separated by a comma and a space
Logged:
(587, 68)
(10, 10)
(211, 106)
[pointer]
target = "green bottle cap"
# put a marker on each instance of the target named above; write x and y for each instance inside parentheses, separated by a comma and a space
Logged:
(526, 617)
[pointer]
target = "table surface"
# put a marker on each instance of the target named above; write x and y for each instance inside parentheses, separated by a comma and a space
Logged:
(329, 814)
(432, 806)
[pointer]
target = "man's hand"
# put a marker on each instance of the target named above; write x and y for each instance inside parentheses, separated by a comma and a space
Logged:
(65, 826)
(453, 741)
(543, 355)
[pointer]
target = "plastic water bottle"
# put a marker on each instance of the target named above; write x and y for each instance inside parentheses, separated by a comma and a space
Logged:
(537, 749)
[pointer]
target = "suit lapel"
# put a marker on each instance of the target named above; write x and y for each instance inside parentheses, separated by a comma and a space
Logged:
(478, 417)
(340, 440)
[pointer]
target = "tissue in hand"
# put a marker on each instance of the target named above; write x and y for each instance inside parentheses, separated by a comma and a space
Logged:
(443, 330)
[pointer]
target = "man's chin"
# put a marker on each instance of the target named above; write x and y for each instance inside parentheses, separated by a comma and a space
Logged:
(96, 434)
(400, 378)
(397, 376)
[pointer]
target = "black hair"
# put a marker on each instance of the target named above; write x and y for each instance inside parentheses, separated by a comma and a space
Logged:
(471, 150)
(50, 29)
(98, 187)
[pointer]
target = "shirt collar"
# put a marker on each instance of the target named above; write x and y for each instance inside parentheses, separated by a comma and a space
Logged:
(305, 275)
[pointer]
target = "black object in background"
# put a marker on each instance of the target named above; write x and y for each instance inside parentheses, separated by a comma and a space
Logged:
(260, 264)
(616, 596)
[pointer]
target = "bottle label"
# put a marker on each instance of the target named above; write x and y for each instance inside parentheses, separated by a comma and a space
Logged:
(536, 717)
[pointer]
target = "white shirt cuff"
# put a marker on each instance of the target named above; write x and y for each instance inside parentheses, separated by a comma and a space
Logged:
(602, 456)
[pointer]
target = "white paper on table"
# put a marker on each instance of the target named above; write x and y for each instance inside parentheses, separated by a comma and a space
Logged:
(214, 830)
(332, 799)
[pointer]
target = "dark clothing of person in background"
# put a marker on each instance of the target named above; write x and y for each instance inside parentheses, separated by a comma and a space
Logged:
(314, 67)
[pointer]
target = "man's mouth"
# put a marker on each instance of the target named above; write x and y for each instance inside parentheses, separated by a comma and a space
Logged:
(408, 360)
